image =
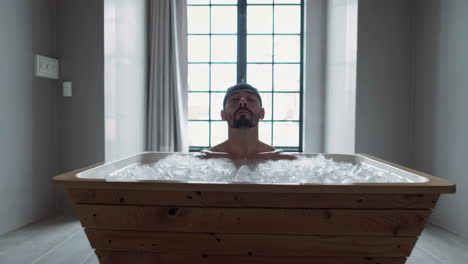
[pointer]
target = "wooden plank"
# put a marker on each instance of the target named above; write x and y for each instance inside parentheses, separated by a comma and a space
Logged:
(246, 199)
(250, 245)
(255, 220)
(378, 188)
(132, 257)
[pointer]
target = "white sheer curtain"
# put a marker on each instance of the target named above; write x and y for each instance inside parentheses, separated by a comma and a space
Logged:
(168, 85)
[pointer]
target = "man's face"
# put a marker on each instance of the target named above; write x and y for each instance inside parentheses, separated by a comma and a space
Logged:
(243, 110)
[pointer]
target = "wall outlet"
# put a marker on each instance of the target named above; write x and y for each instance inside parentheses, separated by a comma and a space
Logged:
(47, 67)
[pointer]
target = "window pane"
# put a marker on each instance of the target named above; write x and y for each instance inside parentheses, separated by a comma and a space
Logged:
(198, 48)
(198, 19)
(259, 1)
(266, 104)
(216, 105)
(287, 49)
(264, 132)
(287, 77)
(286, 134)
(219, 132)
(224, 2)
(262, 51)
(259, 48)
(198, 133)
(198, 77)
(287, 1)
(286, 106)
(259, 19)
(224, 19)
(194, 2)
(223, 76)
(259, 76)
(288, 19)
(224, 48)
(198, 106)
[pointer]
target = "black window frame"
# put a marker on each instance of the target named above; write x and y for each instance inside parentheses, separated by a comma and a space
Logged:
(242, 68)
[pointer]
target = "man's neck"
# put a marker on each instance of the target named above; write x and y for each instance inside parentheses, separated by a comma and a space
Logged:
(243, 141)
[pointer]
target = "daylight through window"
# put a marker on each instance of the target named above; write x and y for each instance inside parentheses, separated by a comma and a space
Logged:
(253, 41)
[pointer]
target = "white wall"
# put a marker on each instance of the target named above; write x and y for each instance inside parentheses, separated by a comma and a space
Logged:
(80, 47)
(314, 75)
(340, 95)
(80, 43)
(412, 90)
(125, 77)
(28, 110)
(441, 109)
(385, 79)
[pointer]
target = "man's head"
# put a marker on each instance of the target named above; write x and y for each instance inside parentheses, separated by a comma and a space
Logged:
(242, 106)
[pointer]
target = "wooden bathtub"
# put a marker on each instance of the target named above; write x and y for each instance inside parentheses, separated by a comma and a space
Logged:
(167, 222)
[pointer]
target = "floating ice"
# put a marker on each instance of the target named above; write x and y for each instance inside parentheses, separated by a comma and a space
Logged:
(316, 170)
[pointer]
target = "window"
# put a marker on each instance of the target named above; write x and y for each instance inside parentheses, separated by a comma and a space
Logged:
(253, 41)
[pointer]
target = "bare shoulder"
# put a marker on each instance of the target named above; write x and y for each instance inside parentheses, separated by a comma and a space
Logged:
(218, 151)
(220, 148)
(273, 153)
(265, 152)
(267, 148)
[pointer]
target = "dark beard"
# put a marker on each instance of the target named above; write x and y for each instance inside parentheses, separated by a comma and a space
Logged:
(243, 122)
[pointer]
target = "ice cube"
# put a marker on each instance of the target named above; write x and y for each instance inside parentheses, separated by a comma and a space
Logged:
(183, 167)
(243, 174)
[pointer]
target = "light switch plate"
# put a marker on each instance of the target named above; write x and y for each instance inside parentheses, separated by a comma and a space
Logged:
(47, 67)
(67, 89)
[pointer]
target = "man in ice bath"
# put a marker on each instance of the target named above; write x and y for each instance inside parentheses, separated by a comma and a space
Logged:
(242, 109)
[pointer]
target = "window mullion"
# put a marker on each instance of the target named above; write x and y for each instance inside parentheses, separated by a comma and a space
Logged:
(241, 40)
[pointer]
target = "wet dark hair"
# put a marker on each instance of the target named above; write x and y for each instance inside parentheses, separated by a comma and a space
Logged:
(241, 86)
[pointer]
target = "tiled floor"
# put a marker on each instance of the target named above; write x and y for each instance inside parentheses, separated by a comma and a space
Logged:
(55, 240)
(60, 239)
